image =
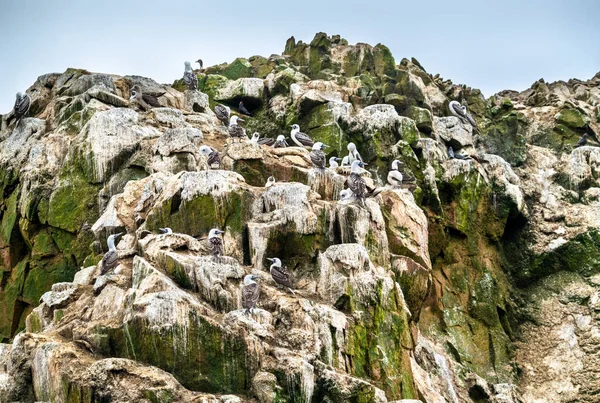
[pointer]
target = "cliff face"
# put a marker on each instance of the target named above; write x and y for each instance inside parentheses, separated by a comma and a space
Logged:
(479, 282)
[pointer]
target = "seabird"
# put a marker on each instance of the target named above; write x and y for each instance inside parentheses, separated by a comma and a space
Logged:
(346, 161)
(582, 141)
(353, 155)
(270, 182)
(236, 130)
(280, 142)
(280, 273)
(460, 112)
(213, 156)
(452, 155)
(255, 138)
(22, 104)
(346, 194)
(110, 259)
(317, 156)
(189, 77)
(200, 62)
(394, 177)
(243, 109)
(276, 143)
(333, 162)
(250, 292)
(222, 113)
(356, 183)
(215, 243)
(301, 139)
(166, 230)
(146, 101)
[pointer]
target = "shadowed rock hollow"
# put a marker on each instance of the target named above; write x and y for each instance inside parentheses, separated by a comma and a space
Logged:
(479, 281)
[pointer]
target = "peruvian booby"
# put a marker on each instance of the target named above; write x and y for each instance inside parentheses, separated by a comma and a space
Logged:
(111, 258)
(243, 109)
(582, 141)
(280, 142)
(189, 77)
(301, 139)
(280, 273)
(166, 230)
(200, 62)
(255, 137)
(21, 107)
(346, 194)
(250, 292)
(452, 154)
(333, 162)
(270, 182)
(353, 154)
(394, 177)
(215, 243)
(356, 183)
(146, 101)
(317, 156)
(460, 111)
(235, 130)
(222, 113)
(346, 161)
(213, 157)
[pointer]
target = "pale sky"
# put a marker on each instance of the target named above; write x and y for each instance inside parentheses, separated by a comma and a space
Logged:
(488, 45)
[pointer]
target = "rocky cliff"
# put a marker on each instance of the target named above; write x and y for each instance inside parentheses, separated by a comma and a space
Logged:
(478, 282)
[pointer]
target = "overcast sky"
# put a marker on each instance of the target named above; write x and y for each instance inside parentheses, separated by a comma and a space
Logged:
(505, 45)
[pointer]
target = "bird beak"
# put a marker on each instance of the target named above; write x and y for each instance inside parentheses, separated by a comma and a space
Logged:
(338, 159)
(269, 259)
(221, 232)
(325, 146)
(241, 120)
(132, 97)
(118, 235)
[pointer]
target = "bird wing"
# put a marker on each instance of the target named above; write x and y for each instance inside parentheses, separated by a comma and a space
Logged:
(151, 100)
(458, 110)
(236, 131)
(281, 276)
(222, 113)
(267, 141)
(190, 80)
(304, 139)
(243, 109)
(22, 106)
(215, 245)
(109, 261)
(357, 185)
(280, 144)
(582, 141)
(214, 158)
(394, 178)
(317, 157)
(472, 121)
(250, 295)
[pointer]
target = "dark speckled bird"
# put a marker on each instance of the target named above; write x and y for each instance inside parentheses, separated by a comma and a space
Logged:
(21, 107)
(189, 77)
(317, 156)
(146, 101)
(213, 157)
(235, 130)
(356, 183)
(215, 243)
(111, 258)
(243, 109)
(250, 293)
(222, 113)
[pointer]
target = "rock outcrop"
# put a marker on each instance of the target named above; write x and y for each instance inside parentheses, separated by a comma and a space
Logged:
(476, 281)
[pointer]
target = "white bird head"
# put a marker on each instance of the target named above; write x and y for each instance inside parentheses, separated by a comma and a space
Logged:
(281, 137)
(295, 129)
(395, 164)
(270, 181)
(276, 262)
(111, 240)
(205, 150)
(250, 279)
(215, 233)
(188, 66)
(351, 147)
(333, 161)
(166, 230)
(19, 95)
(319, 146)
(200, 62)
(345, 194)
(255, 136)
(234, 120)
(345, 161)
(356, 165)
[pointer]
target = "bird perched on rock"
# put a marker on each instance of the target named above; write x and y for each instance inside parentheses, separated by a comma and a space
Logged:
(346, 194)
(301, 139)
(146, 101)
(353, 154)
(394, 177)
(250, 292)
(213, 157)
(166, 230)
(333, 162)
(21, 107)
(189, 77)
(255, 137)
(215, 243)
(582, 141)
(460, 112)
(280, 273)
(243, 109)
(235, 130)
(111, 258)
(356, 183)
(275, 143)
(317, 156)
(200, 62)
(222, 113)
(457, 156)
(270, 182)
